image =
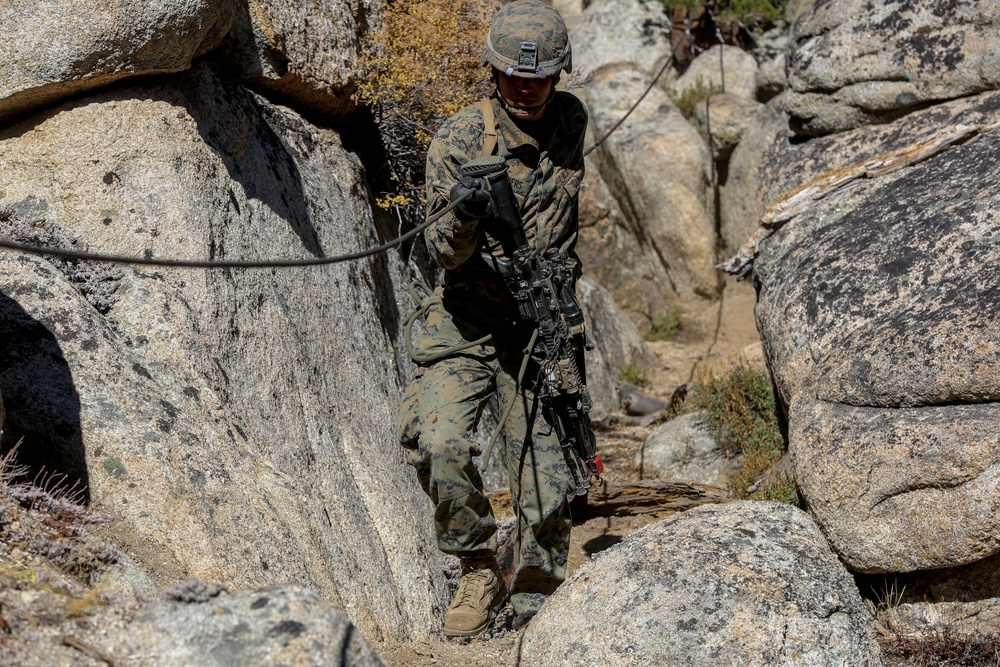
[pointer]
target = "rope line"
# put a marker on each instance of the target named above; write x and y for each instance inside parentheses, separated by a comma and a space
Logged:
(233, 264)
(628, 113)
(280, 264)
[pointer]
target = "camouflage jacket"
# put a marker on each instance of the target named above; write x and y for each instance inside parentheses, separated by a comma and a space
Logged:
(545, 168)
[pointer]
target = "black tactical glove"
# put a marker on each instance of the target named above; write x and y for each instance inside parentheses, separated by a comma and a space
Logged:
(477, 204)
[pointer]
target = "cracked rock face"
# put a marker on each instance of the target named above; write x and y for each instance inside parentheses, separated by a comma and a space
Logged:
(613, 31)
(967, 597)
(855, 62)
(879, 313)
(240, 423)
(306, 52)
(658, 169)
(745, 583)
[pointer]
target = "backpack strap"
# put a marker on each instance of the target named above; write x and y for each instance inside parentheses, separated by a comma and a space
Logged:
(489, 128)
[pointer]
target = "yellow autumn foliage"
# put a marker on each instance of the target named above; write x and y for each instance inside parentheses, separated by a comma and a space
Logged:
(421, 68)
(424, 64)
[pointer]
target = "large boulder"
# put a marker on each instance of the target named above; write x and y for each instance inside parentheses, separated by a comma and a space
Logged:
(900, 489)
(877, 309)
(742, 583)
(683, 449)
(856, 62)
(742, 196)
(53, 50)
(239, 422)
(786, 164)
(615, 251)
(771, 51)
(723, 118)
(770, 162)
(617, 343)
(721, 69)
(306, 52)
(658, 169)
(620, 31)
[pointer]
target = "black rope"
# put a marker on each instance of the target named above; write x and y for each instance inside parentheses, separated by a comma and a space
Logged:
(266, 264)
(634, 106)
(234, 264)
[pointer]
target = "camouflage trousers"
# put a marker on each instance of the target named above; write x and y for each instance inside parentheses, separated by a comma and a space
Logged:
(441, 410)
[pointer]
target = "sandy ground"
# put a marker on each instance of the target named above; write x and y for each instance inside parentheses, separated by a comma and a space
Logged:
(711, 340)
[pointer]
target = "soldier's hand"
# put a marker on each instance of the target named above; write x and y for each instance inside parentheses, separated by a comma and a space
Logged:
(477, 204)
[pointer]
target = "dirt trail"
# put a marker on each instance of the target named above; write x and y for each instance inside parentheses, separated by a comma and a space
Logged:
(711, 340)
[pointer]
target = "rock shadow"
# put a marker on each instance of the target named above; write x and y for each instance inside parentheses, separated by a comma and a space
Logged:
(232, 121)
(600, 543)
(974, 582)
(41, 403)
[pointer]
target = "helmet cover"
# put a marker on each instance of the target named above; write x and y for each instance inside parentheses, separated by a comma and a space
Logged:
(528, 38)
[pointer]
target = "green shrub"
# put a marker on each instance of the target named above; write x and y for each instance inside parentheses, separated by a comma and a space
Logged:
(633, 374)
(753, 12)
(691, 96)
(759, 13)
(742, 413)
(666, 325)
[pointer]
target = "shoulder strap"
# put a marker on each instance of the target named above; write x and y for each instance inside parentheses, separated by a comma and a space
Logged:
(489, 128)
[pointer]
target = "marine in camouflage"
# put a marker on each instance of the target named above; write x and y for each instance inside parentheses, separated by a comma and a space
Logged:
(545, 169)
(444, 403)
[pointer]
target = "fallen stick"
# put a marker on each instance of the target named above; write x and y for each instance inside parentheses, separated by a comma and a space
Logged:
(650, 497)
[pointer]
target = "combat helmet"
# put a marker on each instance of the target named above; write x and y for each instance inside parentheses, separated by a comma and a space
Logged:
(528, 38)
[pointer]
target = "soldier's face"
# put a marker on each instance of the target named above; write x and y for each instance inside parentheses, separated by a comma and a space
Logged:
(525, 98)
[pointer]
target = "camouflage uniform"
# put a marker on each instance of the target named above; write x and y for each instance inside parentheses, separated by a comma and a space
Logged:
(445, 400)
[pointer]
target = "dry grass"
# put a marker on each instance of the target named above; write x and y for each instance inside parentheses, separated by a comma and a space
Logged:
(52, 571)
(946, 647)
(666, 325)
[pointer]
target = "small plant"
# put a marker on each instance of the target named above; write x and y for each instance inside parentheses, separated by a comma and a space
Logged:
(690, 97)
(632, 374)
(91, 601)
(666, 325)
(742, 413)
(888, 601)
(10, 469)
(752, 12)
(758, 13)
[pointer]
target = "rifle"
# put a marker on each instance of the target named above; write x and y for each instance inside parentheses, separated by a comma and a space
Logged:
(542, 286)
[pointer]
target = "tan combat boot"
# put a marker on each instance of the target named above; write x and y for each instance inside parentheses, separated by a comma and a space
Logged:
(479, 593)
